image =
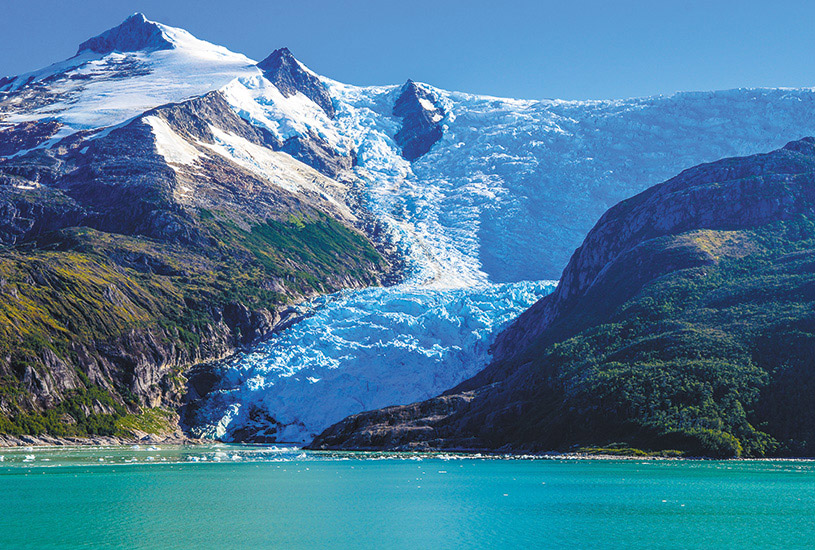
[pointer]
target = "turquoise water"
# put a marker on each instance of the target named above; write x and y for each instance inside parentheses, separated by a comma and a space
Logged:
(240, 497)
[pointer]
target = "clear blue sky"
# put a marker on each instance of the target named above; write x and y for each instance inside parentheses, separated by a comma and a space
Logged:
(515, 48)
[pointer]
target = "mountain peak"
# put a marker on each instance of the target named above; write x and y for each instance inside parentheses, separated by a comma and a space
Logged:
(281, 61)
(134, 34)
(279, 56)
(283, 70)
(421, 115)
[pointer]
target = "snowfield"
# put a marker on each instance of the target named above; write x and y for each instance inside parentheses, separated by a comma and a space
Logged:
(93, 91)
(486, 219)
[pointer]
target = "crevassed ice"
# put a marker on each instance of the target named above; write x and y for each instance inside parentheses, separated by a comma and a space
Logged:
(513, 186)
(360, 350)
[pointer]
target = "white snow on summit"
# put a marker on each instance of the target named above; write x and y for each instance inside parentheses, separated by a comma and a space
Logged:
(96, 90)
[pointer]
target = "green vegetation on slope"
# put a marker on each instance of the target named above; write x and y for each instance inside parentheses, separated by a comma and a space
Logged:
(716, 360)
(82, 289)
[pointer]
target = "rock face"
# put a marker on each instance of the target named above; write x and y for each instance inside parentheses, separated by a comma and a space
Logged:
(421, 116)
(285, 72)
(682, 322)
(314, 151)
(25, 135)
(31, 213)
(748, 193)
(136, 33)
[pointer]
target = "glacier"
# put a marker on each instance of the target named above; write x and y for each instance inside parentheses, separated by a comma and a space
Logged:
(485, 220)
(359, 350)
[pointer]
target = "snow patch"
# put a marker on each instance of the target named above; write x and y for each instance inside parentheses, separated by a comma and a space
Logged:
(259, 102)
(426, 104)
(175, 149)
(278, 169)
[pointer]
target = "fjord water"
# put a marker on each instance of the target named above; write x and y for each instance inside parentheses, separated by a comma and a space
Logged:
(253, 497)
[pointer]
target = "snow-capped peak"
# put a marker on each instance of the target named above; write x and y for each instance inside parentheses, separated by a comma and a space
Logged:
(139, 34)
(290, 76)
(120, 74)
(134, 34)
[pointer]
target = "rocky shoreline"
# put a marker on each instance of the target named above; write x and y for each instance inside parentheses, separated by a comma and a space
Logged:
(175, 438)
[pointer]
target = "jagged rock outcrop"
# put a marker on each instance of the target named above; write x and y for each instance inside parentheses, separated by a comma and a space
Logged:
(25, 135)
(421, 116)
(684, 321)
(314, 151)
(290, 77)
(32, 212)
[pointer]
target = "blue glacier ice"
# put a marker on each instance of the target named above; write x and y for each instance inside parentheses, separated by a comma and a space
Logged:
(504, 197)
(360, 350)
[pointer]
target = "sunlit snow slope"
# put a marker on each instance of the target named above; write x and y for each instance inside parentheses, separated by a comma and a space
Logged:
(504, 196)
(98, 89)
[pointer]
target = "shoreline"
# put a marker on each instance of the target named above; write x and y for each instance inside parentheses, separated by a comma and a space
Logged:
(43, 442)
(12, 442)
